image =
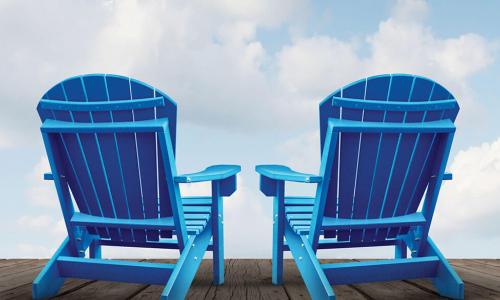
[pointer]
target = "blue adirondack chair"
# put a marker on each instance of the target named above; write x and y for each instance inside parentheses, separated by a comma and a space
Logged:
(110, 141)
(385, 142)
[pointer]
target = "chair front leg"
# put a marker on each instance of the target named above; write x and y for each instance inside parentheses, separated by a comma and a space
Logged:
(218, 233)
(278, 232)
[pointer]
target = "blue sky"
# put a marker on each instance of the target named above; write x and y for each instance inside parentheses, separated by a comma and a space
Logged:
(247, 77)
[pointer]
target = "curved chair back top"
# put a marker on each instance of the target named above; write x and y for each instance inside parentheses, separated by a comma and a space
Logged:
(378, 174)
(121, 175)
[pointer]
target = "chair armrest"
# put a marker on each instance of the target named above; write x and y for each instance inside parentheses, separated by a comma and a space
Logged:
(273, 176)
(217, 172)
(48, 176)
(284, 173)
(446, 176)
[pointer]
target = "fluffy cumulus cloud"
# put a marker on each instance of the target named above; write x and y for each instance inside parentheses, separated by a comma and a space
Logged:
(468, 207)
(207, 55)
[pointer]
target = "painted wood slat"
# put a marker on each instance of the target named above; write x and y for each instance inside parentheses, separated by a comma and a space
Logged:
(81, 159)
(401, 91)
(91, 154)
(94, 90)
(376, 88)
(349, 155)
(385, 157)
(69, 169)
(331, 199)
(147, 155)
(119, 88)
(422, 91)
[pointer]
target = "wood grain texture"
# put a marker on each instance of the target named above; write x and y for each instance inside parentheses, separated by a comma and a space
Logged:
(251, 279)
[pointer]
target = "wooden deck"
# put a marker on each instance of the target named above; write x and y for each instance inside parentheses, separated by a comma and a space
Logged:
(251, 279)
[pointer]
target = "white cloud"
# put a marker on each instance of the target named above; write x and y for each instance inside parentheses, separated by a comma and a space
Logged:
(41, 192)
(246, 219)
(314, 66)
(207, 56)
(469, 204)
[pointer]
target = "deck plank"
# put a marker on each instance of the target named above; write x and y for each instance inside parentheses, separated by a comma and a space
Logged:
(477, 266)
(201, 284)
(251, 279)
(294, 285)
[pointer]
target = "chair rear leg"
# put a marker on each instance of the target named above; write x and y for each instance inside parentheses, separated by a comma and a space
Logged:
(278, 243)
(446, 281)
(309, 267)
(401, 250)
(183, 274)
(48, 282)
(218, 234)
(218, 246)
(95, 250)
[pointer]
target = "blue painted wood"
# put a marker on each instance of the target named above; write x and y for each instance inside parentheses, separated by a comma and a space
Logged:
(110, 141)
(309, 267)
(348, 161)
(278, 172)
(446, 280)
(216, 172)
(218, 232)
(147, 152)
(80, 219)
(96, 90)
(53, 126)
(115, 270)
(278, 233)
(102, 105)
(330, 223)
(385, 142)
(381, 270)
(346, 102)
(49, 280)
(189, 261)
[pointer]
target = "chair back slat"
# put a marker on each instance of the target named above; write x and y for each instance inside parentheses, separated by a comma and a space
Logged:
(113, 175)
(376, 175)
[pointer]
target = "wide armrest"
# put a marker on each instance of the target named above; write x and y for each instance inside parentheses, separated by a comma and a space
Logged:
(217, 172)
(278, 172)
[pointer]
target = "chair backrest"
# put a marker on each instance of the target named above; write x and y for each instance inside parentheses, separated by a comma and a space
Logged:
(115, 175)
(380, 175)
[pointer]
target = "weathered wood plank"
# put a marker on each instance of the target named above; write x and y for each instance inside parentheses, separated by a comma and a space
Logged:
(477, 266)
(471, 291)
(24, 291)
(14, 276)
(11, 262)
(295, 288)
(243, 281)
(251, 279)
(490, 262)
(478, 278)
(267, 289)
(201, 284)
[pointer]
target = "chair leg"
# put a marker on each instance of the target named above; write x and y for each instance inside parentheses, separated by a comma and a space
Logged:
(95, 250)
(183, 274)
(218, 244)
(48, 281)
(278, 243)
(218, 234)
(447, 281)
(309, 267)
(401, 250)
